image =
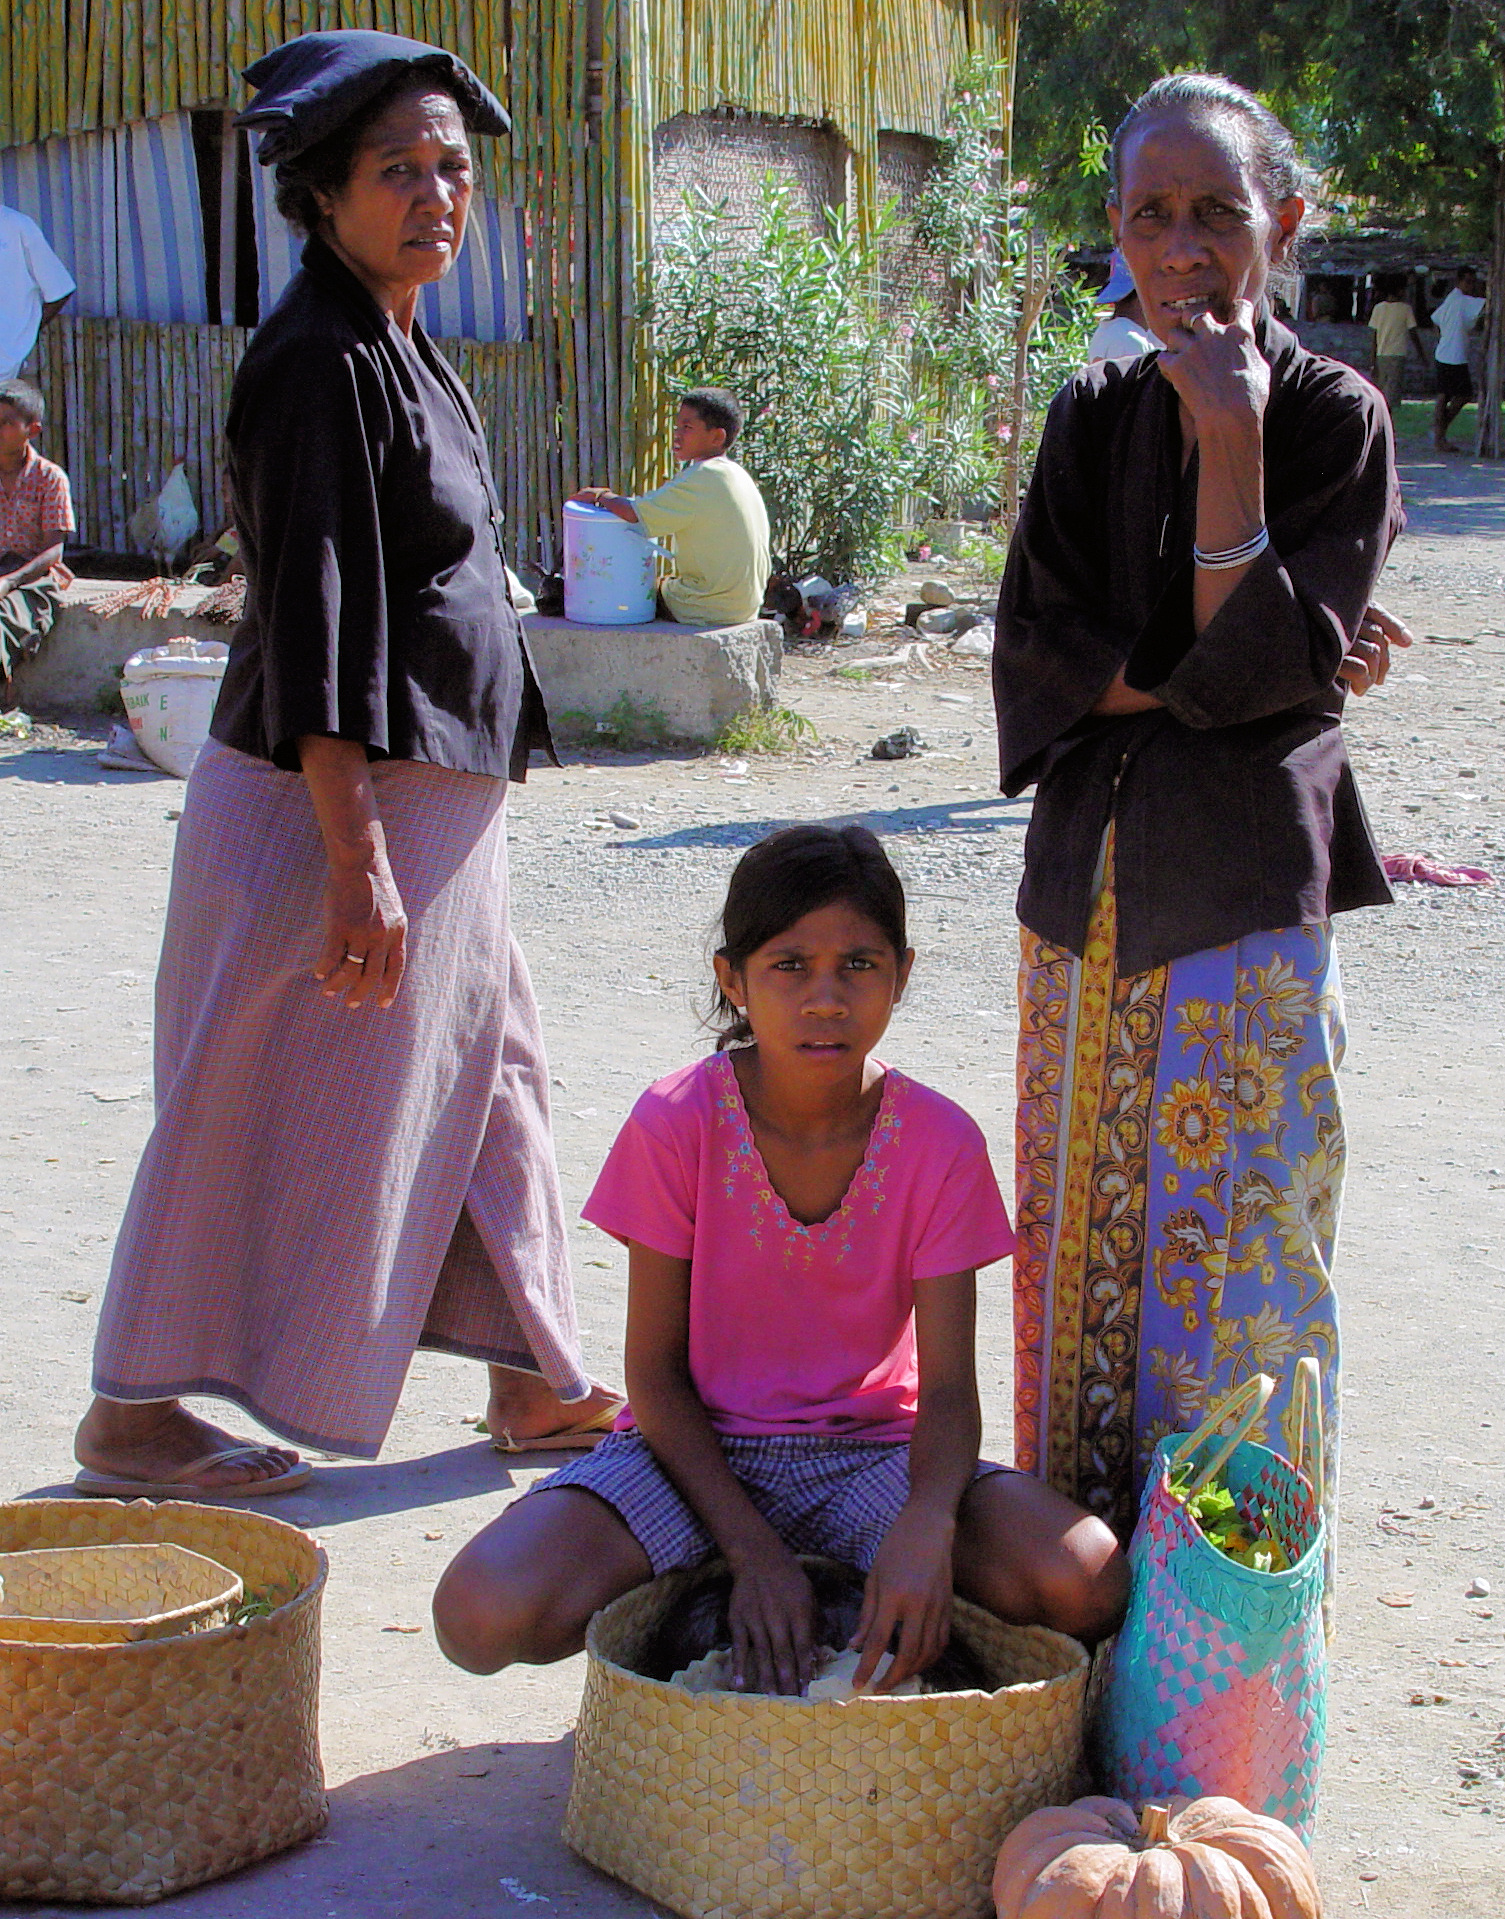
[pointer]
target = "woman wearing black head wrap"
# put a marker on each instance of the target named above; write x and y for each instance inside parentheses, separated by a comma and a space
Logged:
(352, 1153)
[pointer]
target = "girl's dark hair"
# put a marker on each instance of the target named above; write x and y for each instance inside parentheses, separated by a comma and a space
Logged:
(326, 166)
(791, 873)
(1211, 96)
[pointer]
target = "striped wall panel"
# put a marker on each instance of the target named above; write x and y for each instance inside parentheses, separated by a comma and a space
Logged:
(121, 209)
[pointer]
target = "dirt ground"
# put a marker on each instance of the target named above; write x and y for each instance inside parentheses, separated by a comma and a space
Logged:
(447, 1790)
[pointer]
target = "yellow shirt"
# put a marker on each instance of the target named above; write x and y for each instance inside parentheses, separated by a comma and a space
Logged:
(716, 518)
(1391, 323)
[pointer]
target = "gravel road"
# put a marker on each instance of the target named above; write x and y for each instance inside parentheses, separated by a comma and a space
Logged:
(448, 1790)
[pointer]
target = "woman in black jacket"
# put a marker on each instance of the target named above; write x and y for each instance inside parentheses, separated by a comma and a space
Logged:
(1189, 576)
(352, 1154)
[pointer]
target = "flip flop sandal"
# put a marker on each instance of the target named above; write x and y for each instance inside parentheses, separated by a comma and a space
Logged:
(115, 1486)
(569, 1439)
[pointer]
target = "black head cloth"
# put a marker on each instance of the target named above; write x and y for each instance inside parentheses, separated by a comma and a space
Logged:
(310, 87)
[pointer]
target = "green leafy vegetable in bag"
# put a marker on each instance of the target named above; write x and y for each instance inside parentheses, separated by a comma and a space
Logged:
(1248, 1541)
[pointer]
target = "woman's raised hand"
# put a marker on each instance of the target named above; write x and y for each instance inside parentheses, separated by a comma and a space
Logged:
(365, 932)
(1217, 368)
(908, 1592)
(772, 1615)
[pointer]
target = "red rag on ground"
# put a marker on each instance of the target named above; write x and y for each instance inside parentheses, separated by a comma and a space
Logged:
(1416, 866)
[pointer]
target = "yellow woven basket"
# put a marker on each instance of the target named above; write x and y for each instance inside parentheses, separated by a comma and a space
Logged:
(128, 1772)
(105, 1595)
(724, 1807)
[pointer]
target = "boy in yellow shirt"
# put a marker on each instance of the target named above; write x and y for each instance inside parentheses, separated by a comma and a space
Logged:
(713, 512)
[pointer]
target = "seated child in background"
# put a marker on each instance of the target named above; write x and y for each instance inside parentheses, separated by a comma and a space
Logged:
(36, 516)
(713, 512)
(803, 1228)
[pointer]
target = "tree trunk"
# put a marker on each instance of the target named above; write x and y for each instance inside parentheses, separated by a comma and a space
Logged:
(1034, 275)
(1490, 444)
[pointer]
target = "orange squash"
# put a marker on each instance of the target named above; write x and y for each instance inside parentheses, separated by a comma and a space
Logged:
(1190, 1859)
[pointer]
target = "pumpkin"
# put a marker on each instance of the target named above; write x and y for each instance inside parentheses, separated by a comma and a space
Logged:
(1190, 1859)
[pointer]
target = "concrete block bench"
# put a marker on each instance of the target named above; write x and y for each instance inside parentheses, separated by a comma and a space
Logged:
(677, 682)
(660, 681)
(78, 668)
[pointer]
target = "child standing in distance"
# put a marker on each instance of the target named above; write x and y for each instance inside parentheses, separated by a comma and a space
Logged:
(803, 1226)
(713, 512)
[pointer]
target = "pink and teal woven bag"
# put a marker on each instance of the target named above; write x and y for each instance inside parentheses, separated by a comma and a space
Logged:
(1218, 1680)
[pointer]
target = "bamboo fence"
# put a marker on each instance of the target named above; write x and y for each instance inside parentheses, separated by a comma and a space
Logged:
(586, 82)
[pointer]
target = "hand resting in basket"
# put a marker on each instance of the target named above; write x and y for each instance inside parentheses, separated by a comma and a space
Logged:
(803, 1227)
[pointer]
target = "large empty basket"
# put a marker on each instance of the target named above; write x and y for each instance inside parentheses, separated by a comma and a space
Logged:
(130, 1771)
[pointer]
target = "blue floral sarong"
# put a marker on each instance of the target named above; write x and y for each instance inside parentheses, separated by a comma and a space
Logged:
(1179, 1169)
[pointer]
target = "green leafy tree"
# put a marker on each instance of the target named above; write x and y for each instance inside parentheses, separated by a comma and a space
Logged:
(854, 417)
(1399, 102)
(989, 358)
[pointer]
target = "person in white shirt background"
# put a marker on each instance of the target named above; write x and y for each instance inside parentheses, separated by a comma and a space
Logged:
(1121, 333)
(34, 287)
(1455, 319)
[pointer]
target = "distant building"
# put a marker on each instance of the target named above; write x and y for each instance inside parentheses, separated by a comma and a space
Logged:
(1330, 300)
(116, 137)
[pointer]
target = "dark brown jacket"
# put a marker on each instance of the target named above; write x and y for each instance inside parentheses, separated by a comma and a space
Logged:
(1235, 808)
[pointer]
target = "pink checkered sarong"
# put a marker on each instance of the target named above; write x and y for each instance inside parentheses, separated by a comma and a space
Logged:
(325, 1190)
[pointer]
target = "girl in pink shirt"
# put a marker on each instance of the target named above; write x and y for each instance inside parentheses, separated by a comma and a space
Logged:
(803, 1227)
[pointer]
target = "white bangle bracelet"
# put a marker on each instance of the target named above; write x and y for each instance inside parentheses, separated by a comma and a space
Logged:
(1232, 556)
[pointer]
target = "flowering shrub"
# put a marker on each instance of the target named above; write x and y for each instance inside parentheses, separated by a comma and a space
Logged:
(851, 420)
(966, 353)
(789, 321)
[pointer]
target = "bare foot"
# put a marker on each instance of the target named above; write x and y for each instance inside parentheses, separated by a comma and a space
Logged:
(524, 1406)
(159, 1441)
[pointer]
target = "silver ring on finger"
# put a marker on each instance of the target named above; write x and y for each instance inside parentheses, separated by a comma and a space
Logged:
(356, 959)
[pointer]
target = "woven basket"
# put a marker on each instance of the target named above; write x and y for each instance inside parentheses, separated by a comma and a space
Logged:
(106, 1595)
(724, 1807)
(129, 1772)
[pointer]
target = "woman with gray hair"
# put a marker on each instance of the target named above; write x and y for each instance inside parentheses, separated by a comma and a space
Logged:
(1179, 614)
(352, 1154)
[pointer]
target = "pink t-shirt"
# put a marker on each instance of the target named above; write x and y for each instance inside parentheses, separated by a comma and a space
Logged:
(793, 1328)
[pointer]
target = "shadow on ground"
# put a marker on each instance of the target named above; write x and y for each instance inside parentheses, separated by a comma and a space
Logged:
(953, 816)
(345, 1490)
(469, 1833)
(75, 766)
(1452, 495)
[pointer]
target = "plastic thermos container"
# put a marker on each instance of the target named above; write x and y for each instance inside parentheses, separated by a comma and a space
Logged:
(610, 568)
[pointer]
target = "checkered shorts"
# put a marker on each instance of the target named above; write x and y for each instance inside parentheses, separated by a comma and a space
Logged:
(826, 1495)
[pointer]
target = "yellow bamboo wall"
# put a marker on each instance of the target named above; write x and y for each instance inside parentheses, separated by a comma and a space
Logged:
(178, 379)
(118, 450)
(73, 65)
(575, 401)
(861, 64)
(79, 64)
